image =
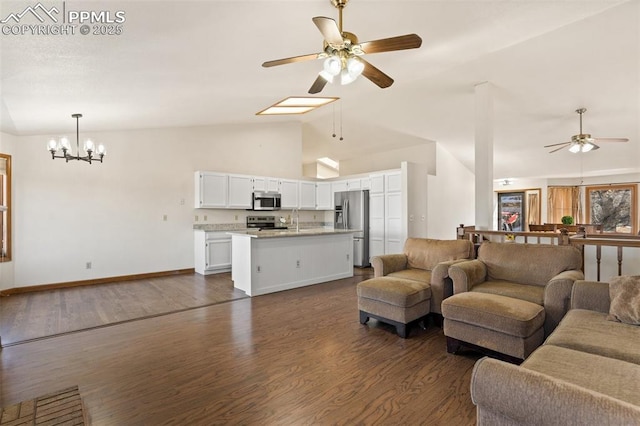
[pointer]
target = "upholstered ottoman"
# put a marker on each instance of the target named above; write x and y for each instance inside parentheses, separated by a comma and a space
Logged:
(395, 301)
(508, 328)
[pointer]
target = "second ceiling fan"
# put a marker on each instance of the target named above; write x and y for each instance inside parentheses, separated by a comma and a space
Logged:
(342, 53)
(582, 142)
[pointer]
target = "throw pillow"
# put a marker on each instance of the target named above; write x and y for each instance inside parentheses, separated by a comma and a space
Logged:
(624, 292)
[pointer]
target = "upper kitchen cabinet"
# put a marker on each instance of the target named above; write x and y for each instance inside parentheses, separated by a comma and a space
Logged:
(211, 190)
(289, 193)
(324, 196)
(266, 184)
(376, 184)
(307, 195)
(240, 189)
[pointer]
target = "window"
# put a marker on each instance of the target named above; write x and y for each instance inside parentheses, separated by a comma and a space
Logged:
(563, 201)
(613, 206)
(5, 207)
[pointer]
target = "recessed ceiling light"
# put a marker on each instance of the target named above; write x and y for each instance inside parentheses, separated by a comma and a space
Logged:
(296, 105)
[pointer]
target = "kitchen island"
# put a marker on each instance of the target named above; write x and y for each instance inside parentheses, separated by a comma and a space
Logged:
(269, 261)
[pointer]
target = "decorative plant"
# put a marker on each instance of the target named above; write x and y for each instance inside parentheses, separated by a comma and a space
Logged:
(567, 220)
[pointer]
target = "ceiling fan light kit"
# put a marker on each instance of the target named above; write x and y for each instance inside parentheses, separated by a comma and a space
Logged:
(342, 53)
(582, 142)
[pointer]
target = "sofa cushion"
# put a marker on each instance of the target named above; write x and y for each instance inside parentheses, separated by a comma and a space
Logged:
(426, 253)
(530, 293)
(589, 331)
(413, 274)
(608, 376)
(514, 262)
(624, 292)
(499, 313)
(395, 291)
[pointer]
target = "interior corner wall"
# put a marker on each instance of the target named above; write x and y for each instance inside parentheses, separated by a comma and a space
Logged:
(112, 214)
(415, 198)
(372, 161)
(7, 143)
(451, 196)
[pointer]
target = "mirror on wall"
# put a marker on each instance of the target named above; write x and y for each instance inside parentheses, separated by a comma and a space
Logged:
(5, 207)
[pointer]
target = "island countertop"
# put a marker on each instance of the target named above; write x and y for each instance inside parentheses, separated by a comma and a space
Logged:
(279, 233)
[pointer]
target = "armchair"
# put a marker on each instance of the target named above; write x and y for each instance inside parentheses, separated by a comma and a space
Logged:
(537, 273)
(426, 260)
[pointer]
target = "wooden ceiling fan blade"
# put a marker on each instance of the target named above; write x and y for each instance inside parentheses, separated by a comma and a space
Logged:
(409, 41)
(329, 30)
(566, 144)
(318, 85)
(290, 60)
(556, 144)
(375, 75)
(611, 139)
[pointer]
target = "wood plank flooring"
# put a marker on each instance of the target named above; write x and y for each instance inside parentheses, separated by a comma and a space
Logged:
(296, 357)
(28, 316)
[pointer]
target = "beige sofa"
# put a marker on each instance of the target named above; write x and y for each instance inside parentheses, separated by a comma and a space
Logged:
(586, 373)
(542, 274)
(427, 261)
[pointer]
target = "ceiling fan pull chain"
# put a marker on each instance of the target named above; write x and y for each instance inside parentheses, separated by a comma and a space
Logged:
(334, 121)
(341, 138)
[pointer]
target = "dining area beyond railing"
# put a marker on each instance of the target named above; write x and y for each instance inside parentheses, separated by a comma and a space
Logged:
(604, 255)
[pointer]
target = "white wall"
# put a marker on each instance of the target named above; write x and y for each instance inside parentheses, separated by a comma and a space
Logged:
(451, 196)
(111, 214)
(386, 160)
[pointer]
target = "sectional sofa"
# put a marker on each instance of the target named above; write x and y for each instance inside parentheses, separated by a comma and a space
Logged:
(587, 372)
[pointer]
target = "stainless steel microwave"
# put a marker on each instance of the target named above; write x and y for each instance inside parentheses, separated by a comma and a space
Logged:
(266, 200)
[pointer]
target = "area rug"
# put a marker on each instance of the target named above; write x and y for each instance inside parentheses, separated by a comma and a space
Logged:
(63, 407)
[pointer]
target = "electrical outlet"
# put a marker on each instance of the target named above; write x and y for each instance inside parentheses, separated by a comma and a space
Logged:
(88, 265)
(314, 217)
(297, 263)
(164, 217)
(182, 201)
(205, 217)
(236, 217)
(196, 218)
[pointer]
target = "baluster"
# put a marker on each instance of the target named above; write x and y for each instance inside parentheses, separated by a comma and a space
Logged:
(598, 257)
(619, 260)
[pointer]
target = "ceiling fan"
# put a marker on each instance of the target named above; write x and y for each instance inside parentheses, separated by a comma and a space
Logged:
(582, 142)
(342, 53)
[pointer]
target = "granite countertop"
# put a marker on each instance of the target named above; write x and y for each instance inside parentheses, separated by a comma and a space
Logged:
(242, 227)
(293, 233)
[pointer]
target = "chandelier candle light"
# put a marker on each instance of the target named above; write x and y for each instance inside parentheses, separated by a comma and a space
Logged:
(93, 153)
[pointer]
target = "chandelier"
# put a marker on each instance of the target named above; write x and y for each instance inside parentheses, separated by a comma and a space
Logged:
(93, 153)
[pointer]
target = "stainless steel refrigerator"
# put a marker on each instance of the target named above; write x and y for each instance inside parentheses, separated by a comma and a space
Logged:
(352, 212)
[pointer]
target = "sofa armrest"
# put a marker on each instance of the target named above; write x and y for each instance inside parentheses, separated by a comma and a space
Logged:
(557, 298)
(591, 295)
(388, 263)
(517, 395)
(441, 285)
(467, 274)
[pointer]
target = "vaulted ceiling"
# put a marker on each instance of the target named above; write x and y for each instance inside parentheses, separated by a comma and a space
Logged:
(196, 63)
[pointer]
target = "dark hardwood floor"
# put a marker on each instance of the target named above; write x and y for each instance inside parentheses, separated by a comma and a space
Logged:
(296, 357)
(29, 316)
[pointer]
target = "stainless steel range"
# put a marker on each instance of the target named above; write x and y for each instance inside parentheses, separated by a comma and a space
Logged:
(264, 222)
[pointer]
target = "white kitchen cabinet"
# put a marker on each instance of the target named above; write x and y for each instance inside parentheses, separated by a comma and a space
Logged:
(212, 252)
(338, 186)
(376, 225)
(393, 181)
(324, 196)
(307, 195)
(354, 185)
(393, 235)
(211, 190)
(289, 194)
(376, 184)
(266, 184)
(240, 189)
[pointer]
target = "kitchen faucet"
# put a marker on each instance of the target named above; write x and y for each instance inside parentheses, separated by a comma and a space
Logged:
(295, 213)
